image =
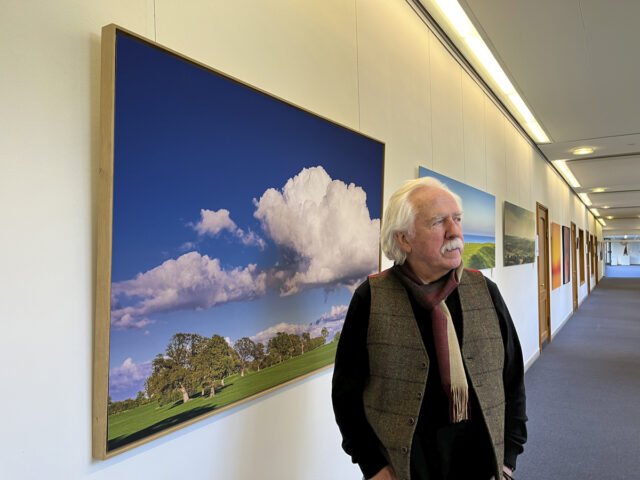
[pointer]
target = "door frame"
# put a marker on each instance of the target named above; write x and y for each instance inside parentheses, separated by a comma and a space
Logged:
(543, 242)
(581, 254)
(596, 259)
(588, 261)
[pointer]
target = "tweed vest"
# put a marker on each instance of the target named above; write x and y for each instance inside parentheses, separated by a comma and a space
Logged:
(399, 365)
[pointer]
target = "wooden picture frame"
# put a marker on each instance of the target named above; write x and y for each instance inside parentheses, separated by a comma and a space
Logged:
(233, 227)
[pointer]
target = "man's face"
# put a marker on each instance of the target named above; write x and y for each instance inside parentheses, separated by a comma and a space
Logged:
(437, 243)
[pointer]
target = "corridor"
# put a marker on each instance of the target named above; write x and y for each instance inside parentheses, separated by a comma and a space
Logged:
(583, 393)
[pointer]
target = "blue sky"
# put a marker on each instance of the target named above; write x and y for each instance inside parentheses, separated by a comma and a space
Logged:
(200, 242)
(479, 207)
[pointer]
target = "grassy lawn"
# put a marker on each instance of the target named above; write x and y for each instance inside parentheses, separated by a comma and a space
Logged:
(479, 255)
(140, 422)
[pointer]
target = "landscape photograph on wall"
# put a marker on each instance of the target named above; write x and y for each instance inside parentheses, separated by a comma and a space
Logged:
(478, 221)
(519, 235)
(556, 255)
(566, 254)
(241, 227)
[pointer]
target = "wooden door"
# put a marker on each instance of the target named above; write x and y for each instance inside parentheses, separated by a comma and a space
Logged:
(574, 267)
(596, 260)
(544, 313)
(581, 254)
(588, 261)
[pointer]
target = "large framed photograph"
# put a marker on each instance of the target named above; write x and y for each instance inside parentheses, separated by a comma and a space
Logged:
(566, 255)
(556, 255)
(233, 229)
(519, 235)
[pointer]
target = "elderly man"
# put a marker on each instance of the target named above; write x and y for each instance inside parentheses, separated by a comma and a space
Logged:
(429, 380)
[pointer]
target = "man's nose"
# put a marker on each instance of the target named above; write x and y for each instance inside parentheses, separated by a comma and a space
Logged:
(454, 229)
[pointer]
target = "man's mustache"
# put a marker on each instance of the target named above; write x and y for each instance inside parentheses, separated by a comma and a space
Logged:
(452, 245)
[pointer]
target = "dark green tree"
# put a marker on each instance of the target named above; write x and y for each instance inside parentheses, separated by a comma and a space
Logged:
(325, 333)
(258, 354)
(244, 348)
(281, 346)
(297, 347)
(215, 361)
(306, 341)
(174, 370)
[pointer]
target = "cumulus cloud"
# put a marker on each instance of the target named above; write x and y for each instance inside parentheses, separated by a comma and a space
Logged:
(127, 379)
(323, 230)
(190, 282)
(129, 322)
(332, 321)
(338, 312)
(187, 246)
(213, 222)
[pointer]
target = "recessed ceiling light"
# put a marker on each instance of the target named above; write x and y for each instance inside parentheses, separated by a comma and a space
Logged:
(606, 206)
(609, 217)
(582, 151)
(598, 190)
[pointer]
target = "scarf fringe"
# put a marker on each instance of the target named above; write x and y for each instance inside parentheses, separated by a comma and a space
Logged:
(459, 404)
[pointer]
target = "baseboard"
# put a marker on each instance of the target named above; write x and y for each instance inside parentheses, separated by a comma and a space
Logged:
(562, 324)
(533, 358)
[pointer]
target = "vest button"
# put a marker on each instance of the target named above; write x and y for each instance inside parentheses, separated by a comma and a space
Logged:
(424, 365)
(412, 421)
(404, 450)
(419, 395)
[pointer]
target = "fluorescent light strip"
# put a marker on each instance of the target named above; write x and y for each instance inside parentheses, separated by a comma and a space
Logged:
(568, 174)
(490, 63)
(522, 108)
(585, 199)
(537, 132)
(602, 222)
(458, 18)
(595, 212)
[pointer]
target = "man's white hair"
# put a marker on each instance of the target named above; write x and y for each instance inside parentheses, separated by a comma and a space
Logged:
(400, 215)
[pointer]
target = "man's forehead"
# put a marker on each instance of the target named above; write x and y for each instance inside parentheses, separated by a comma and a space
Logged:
(435, 201)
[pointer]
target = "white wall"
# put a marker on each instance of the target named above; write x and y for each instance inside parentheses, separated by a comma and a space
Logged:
(371, 65)
(632, 257)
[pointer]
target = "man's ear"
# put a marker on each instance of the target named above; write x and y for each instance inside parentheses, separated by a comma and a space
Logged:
(403, 241)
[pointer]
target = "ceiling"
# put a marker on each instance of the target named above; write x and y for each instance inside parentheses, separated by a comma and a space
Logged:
(575, 64)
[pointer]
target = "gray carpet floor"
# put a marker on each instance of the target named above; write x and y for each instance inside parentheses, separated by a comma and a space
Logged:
(583, 392)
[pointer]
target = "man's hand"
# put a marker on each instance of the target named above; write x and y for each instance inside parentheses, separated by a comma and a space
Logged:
(506, 470)
(386, 473)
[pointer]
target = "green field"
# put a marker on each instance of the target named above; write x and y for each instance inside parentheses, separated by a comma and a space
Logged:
(479, 255)
(518, 250)
(140, 422)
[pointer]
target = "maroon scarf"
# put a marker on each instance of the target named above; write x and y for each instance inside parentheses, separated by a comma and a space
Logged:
(431, 297)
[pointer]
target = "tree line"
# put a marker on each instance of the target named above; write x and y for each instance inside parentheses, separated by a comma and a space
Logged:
(193, 364)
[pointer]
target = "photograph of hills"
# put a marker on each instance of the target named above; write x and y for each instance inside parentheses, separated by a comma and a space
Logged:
(519, 235)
